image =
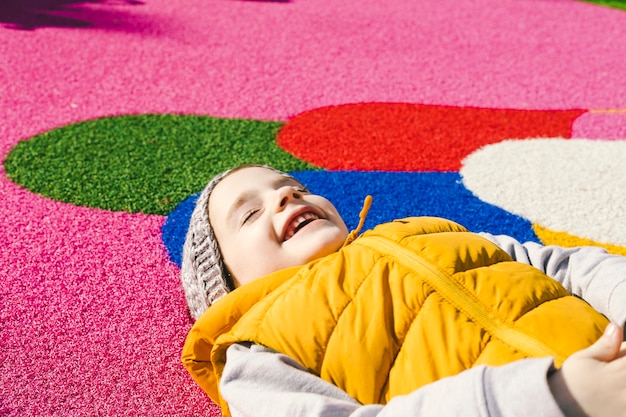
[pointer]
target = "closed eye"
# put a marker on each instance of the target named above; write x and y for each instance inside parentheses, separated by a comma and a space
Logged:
(250, 216)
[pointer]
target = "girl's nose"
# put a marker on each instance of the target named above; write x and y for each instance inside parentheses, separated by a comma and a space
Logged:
(287, 194)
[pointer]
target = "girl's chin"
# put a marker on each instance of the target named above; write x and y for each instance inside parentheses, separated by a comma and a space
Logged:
(321, 249)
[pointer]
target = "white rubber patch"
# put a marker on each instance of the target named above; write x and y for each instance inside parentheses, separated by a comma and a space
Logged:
(576, 186)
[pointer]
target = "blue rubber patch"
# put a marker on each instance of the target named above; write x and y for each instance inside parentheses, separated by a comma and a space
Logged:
(396, 195)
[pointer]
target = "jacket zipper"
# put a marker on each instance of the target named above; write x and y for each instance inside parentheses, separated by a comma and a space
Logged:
(456, 294)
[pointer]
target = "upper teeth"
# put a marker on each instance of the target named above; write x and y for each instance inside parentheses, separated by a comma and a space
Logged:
(298, 222)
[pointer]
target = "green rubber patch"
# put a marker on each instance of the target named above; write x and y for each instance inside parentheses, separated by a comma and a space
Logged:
(618, 4)
(142, 164)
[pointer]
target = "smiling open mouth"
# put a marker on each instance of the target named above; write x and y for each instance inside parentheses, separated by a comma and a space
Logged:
(298, 222)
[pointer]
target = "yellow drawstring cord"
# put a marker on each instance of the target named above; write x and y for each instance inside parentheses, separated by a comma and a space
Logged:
(607, 111)
(362, 215)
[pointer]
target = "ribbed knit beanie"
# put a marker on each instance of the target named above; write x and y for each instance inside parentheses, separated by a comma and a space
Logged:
(204, 275)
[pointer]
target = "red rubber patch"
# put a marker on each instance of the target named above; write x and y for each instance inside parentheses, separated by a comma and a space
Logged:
(411, 137)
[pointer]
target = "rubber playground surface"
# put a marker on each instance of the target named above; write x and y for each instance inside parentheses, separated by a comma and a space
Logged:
(507, 116)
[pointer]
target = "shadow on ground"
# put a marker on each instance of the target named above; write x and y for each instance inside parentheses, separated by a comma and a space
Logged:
(34, 14)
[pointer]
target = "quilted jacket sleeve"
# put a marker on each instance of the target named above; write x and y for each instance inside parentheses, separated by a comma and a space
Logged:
(587, 272)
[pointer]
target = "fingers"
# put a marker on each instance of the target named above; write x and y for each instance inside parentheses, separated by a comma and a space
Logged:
(607, 347)
(622, 351)
(615, 336)
(619, 331)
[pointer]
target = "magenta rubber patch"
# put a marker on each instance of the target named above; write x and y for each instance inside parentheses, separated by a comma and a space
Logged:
(92, 315)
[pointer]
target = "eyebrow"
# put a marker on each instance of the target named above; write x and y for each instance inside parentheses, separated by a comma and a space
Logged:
(246, 195)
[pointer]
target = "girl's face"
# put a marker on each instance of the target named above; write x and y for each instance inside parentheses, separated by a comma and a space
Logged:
(265, 221)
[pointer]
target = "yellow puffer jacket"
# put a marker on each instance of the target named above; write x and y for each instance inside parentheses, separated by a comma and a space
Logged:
(405, 304)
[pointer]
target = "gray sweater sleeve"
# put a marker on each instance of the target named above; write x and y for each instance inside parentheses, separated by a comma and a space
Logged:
(260, 382)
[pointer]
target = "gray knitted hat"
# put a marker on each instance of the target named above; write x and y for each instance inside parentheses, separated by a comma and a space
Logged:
(204, 275)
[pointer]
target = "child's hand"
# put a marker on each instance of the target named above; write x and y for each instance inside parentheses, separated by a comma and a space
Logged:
(592, 382)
